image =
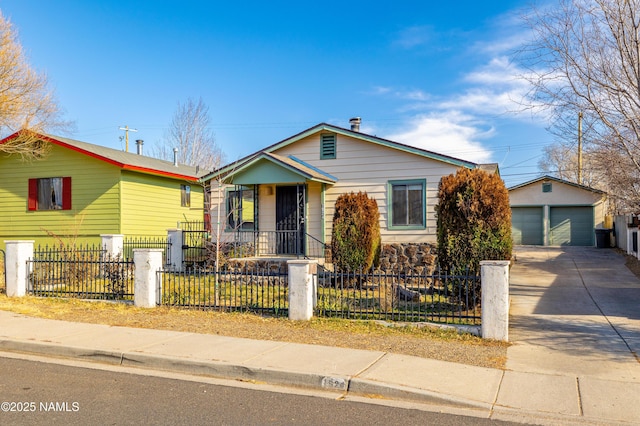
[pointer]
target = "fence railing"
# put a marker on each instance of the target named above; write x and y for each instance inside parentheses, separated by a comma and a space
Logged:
(437, 297)
(86, 272)
(273, 243)
(264, 292)
(131, 243)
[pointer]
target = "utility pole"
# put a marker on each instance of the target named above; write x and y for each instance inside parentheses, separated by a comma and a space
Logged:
(126, 136)
(580, 148)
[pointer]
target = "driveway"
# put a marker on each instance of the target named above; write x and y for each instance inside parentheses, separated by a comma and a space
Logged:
(575, 311)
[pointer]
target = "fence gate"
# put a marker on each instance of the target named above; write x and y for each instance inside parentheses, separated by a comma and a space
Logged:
(194, 243)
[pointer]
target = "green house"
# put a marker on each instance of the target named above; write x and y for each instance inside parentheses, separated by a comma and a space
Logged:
(79, 191)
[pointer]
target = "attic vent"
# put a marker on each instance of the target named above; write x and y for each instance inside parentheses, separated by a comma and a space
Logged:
(327, 146)
(546, 187)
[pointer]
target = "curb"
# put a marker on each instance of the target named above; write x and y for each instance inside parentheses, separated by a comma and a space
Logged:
(222, 370)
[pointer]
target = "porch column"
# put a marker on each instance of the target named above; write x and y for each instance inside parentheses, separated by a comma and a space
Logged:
(495, 299)
(302, 288)
(175, 239)
(17, 254)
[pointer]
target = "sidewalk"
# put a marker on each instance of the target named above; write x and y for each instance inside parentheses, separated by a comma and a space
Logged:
(551, 378)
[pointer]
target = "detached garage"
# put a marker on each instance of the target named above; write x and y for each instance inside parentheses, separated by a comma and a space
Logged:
(555, 212)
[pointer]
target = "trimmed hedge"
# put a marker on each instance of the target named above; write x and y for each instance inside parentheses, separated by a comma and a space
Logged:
(355, 243)
(474, 220)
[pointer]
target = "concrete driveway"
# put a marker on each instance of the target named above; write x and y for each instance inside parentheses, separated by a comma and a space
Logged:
(574, 311)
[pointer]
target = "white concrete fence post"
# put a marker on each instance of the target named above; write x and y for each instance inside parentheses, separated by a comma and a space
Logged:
(495, 299)
(147, 282)
(302, 288)
(175, 239)
(113, 245)
(16, 255)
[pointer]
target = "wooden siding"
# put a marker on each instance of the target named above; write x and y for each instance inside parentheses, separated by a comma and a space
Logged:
(95, 198)
(151, 204)
(363, 166)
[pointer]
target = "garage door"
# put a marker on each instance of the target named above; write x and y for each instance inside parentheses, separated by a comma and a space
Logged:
(526, 225)
(571, 226)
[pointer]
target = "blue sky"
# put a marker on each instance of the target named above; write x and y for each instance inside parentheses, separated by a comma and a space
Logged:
(430, 74)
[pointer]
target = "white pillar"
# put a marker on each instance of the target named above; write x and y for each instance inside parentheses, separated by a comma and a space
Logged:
(17, 254)
(302, 288)
(113, 244)
(495, 299)
(147, 282)
(175, 238)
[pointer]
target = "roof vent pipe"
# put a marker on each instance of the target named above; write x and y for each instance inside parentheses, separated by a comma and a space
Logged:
(355, 123)
(139, 143)
(175, 157)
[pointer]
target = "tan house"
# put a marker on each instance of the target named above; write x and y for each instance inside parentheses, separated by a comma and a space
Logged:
(554, 212)
(280, 200)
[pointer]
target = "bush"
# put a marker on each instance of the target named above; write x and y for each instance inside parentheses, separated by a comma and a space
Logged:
(355, 243)
(474, 220)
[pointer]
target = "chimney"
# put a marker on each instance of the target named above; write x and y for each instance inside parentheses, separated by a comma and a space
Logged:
(355, 124)
(175, 157)
(139, 143)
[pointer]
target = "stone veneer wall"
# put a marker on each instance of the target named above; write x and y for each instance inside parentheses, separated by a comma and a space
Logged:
(397, 257)
(418, 257)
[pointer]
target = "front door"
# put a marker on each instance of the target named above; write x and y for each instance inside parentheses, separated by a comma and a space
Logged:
(290, 201)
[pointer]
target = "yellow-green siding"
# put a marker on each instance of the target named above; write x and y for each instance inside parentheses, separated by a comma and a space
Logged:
(94, 201)
(104, 200)
(151, 204)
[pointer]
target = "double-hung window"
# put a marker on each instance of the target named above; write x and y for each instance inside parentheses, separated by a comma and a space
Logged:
(407, 201)
(241, 208)
(50, 194)
(185, 195)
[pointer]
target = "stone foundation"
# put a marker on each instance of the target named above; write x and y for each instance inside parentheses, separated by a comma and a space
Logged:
(402, 257)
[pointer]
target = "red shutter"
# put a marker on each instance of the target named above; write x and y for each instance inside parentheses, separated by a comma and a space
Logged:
(66, 193)
(33, 194)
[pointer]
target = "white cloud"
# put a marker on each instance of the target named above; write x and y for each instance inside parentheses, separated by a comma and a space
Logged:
(453, 133)
(462, 124)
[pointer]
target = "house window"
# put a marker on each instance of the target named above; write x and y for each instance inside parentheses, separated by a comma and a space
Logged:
(50, 194)
(241, 208)
(408, 203)
(546, 187)
(327, 146)
(185, 195)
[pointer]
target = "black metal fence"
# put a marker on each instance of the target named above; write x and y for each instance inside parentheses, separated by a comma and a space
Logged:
(85, 272)
(271, 243)
(264, 292)
(131, 243)
(437, 297)
(195, 240)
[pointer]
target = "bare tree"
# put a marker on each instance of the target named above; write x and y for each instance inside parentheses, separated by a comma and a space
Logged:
(26, 103)
(191, 134)
(584, 56)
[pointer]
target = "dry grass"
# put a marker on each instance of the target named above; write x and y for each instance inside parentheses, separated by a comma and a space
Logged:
(427, 342)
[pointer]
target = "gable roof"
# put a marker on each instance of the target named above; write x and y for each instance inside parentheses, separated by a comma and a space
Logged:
(121, 159)
(555, 179)
(324, 127)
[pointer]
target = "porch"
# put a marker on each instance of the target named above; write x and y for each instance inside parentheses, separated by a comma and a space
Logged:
(271, 206)
(273, 246)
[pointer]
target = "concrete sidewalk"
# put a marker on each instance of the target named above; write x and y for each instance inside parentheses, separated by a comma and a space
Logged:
(579, 373)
